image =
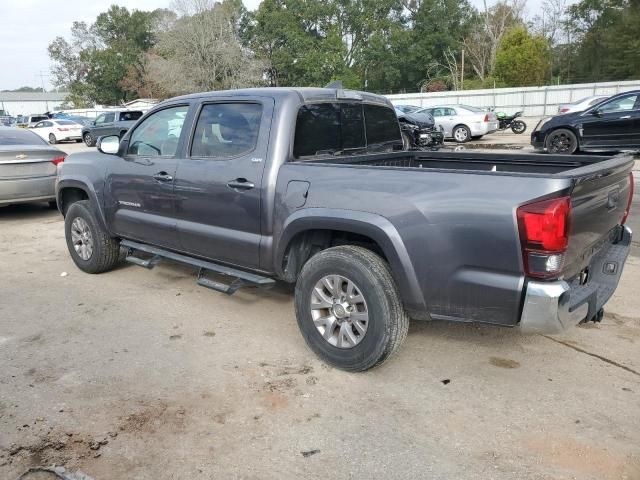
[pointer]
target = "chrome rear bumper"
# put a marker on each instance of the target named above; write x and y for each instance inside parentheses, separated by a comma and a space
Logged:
(552, 307)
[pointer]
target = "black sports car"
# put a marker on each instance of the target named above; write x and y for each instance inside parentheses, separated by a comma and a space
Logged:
(611, 125)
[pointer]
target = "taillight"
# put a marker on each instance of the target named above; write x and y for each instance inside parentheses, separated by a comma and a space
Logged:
(544, 235)
(57, 160)
(564, 110)
(486, 117)
(626, 212)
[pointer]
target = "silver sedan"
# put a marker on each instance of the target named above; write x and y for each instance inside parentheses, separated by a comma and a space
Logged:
(463, 122)
(28, 167)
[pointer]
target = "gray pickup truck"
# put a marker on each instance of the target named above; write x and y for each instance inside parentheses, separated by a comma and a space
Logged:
(310, 186)
(114, 122)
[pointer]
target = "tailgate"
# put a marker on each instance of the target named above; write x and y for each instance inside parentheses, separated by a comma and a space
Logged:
(599, 200)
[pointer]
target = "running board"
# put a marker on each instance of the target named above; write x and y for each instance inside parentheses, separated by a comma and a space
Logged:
(240, 277)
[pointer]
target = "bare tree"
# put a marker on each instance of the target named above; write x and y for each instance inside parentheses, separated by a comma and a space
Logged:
(482, 45)
(200, 51)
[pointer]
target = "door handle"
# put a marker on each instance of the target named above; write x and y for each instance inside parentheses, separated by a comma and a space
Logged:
(625, 117)
(163, 177)
(240, 184)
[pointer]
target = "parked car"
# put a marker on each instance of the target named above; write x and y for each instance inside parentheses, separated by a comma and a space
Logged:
(308, 186)
(582, 104)
(56, 130)
(419, 131)
(33, 119)
(463, 122)
(608, 126)
(27, 167)
(115, 122)
(84, 121)
(407, 108)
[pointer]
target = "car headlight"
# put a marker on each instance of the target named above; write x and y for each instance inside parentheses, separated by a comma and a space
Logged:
(541, 123)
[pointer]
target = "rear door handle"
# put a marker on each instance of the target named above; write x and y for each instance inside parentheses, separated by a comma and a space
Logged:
(240, 184)
(163, 177)
(625, 117)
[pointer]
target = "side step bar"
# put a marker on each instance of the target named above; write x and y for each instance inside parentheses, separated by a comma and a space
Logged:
(240, 277)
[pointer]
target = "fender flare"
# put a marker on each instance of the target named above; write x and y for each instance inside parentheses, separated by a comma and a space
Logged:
(370, 225)
(87, 187)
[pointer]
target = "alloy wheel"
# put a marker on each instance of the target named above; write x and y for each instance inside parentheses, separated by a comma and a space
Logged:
(81, 238)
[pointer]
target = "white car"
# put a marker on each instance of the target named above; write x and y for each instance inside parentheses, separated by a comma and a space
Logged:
(55, 130)
(463, 122)
(582, 104)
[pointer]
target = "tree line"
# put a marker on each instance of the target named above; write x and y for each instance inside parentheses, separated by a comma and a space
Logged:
(383, 46)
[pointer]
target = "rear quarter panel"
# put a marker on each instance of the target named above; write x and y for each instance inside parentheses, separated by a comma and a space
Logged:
(459, 230)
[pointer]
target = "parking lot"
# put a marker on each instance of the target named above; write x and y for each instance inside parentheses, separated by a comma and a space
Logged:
(142, 374)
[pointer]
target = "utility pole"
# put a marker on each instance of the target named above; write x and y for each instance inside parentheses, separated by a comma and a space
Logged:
(462, 72)
(42, 75)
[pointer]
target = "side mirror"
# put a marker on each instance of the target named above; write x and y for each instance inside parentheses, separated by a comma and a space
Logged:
(109, 144)
(596, 113)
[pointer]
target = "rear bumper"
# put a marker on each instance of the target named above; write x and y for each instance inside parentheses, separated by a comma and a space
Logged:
(27, 190)
(552, 307)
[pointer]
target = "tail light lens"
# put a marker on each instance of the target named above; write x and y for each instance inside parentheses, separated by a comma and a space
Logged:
(486, 118)
(57, 160)
(544, 235)
(564, 110)
(626, 212)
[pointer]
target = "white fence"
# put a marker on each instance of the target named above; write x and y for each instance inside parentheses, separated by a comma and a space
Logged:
(533, 101)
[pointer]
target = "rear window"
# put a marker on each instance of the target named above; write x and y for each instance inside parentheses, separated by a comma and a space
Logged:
(343, 128)
(65, 122)
(128, 116)
(16, 136)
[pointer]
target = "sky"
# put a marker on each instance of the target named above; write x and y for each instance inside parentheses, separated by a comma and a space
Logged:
(28, 26)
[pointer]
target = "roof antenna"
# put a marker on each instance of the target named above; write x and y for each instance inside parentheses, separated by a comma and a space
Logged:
(337, 85)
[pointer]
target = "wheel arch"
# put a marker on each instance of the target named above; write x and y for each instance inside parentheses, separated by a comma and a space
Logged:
(311, 230)
(71, 190)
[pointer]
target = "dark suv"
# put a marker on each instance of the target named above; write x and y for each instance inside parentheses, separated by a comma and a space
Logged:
(115, 122)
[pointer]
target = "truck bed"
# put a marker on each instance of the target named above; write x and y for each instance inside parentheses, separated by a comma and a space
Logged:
(505, 163)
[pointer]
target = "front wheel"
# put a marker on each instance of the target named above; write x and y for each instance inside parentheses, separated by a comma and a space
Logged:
(52, 139)
(90, 246)
(89, 140)
(561, 141)
(348, 308)
(518, 127)
(461, 134)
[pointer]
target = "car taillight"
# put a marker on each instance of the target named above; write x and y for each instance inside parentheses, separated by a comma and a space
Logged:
(486, 117)
(564, 110)
(544, 235)
(57, 160)
(626, 212)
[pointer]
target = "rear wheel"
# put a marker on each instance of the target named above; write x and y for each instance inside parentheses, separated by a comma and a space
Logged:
(90, 246)
(561, 141)
(461, 134)
(518, 127)
(348, 308)
(52, 139)
(89, 140)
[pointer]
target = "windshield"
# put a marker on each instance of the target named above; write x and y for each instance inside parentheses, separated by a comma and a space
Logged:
(65, 122)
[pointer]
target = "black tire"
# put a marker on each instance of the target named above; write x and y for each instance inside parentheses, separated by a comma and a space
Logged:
(518, 127)
(461, 133)
(89, 140)
(561, 141)
(106, 250)
(387, 323)
(52, 139)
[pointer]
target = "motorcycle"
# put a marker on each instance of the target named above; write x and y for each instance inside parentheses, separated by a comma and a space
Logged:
(509, 121)
(419, 131)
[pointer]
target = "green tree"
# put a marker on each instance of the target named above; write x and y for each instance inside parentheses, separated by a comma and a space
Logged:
(96, 59)
(522, 59)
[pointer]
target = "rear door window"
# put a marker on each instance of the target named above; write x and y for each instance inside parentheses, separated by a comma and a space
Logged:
(129, 116)
(226, 130)
(381, 125)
